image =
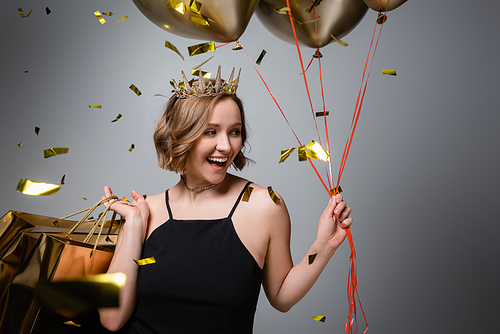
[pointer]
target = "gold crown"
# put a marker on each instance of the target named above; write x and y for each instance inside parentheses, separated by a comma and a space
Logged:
(205, 87)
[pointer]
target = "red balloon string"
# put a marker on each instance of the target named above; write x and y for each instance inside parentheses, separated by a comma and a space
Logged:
(283, 114)
(218, 46)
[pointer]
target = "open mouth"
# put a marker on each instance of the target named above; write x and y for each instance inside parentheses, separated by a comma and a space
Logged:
(220, 162)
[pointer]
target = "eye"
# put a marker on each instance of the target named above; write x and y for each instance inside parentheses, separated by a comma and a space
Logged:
(235, 132)
(210, 132)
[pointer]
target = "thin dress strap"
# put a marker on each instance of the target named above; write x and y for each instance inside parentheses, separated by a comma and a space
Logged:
(239, 198)
(168, 205)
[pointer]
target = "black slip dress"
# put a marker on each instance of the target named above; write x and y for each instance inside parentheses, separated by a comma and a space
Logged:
(204, 279)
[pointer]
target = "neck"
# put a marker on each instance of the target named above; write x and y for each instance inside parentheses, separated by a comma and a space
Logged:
(196, 190)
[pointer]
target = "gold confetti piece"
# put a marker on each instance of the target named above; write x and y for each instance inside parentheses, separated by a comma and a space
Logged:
(334, 192)
(246, 195)
(286, 153)
(201, 48)
(47, 10)
(302, 153)
(125, 199)
(20, 144)
(20, 10)
(63, 179)
(200, 19)
(314, 4)
(237, 46)
(132, 146)
(82, 293)
(389, 72)
(203, 73)
(71, 323)
(143, 262)
(161, 95)
(37, 130)
(122, 18)
(282, 10)
(312, 257)
(322, 113)
(338, 40)
(135, 90)
(91, 219)
(34, 188)
(274, 197)
(117, 118)
(25, 71)
(173, 48)
(315, 151)
(195, 6)
(99, 17)
(177, 5)
(261, 56)
(107, 14)
(320, 318)
(97, 106)
(206, 61)
(51, 152)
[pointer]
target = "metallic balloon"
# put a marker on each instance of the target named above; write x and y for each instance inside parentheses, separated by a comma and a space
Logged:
(381, 5)
(214, 20)
(336, 17)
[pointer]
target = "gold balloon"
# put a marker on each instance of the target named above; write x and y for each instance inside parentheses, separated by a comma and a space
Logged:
(335, 17)
(214, 20)
(381, 5)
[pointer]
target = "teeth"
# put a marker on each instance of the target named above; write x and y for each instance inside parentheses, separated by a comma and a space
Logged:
(218, 159)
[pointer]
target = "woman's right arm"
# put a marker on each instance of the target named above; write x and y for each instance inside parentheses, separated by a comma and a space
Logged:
(128, 248)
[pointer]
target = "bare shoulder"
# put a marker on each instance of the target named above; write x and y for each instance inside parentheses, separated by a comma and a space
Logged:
(157, 211)
(264, 207)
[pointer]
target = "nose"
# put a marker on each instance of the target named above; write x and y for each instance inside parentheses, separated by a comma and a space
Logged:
(223, 143)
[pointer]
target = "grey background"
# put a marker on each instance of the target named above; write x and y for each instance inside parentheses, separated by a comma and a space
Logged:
(422, 176)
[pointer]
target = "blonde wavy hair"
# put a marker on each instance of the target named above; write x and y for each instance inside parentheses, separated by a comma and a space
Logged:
(183, 122)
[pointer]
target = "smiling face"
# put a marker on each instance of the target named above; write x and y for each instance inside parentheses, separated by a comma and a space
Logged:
(214, 151)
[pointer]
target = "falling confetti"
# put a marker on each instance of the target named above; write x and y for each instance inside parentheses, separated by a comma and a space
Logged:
(47, 10)
(338, 40)
(99, 17)
(37, 130)
(203, 73)
(261, 56)
(135, 90)
(63, 180)
(312, 257)
(286, 153)
(143, 262)
(206, 61)
(20, 144)
(122, 18)
(117, 118)
(389, 72)
(107, 14)
(51, 152)
(173, 48)
(20, 10)
(322, 113)
(132, 146)
(201, 48)
(34, 188)
(96, 106)
(246, 195)
(273, 196)
(314, 4)
(177, 6)
(320, 318)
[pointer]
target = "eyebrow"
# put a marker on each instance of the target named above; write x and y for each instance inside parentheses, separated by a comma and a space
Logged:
(215, 125)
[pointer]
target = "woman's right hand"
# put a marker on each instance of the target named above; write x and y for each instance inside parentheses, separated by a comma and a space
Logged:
(135, 213)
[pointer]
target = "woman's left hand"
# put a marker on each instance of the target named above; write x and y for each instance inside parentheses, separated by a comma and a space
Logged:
(333, 222)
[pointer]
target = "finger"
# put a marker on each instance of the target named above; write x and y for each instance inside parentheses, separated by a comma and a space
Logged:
(346, 223)
(345, 213)
(339, 208)
(107, 191)
(136, 196)
(339, 198)
(329, 208)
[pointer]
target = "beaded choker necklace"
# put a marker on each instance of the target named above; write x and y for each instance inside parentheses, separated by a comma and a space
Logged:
(197, 189)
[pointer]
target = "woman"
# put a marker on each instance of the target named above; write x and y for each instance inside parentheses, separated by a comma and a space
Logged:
(212, 249)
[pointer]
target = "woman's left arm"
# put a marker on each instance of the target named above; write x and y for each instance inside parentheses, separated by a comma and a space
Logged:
(286, 284)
